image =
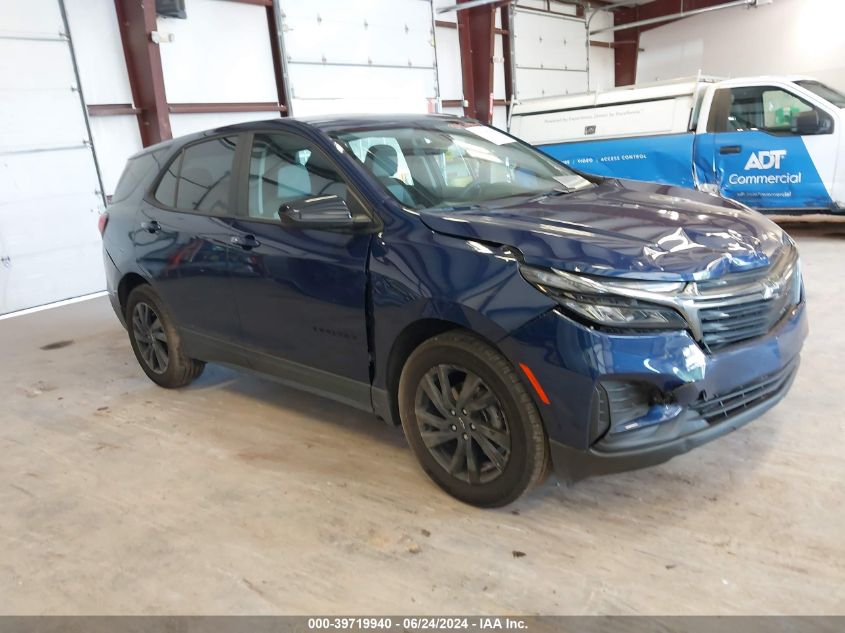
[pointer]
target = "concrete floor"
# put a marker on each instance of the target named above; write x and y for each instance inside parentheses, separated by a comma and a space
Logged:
(237, 495)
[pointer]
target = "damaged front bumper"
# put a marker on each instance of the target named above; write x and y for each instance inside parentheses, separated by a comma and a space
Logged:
(619, 402)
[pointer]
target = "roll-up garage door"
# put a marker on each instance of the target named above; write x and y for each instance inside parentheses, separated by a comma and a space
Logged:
(362, 56)
(50, 193)
(550, 53)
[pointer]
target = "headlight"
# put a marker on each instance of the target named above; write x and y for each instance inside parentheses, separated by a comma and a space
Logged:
(611, 303)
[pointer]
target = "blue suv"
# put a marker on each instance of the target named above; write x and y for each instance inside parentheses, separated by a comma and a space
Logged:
(513, 315)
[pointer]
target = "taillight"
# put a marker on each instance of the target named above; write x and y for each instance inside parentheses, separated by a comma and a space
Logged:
(103, 222)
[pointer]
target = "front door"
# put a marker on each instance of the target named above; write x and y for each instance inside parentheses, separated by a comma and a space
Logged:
(301, 293)
(763, 153)
(183, 243)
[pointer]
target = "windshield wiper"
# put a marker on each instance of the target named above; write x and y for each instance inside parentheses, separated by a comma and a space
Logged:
(458, 206)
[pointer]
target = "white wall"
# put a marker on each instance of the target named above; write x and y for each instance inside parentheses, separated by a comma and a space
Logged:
(785, 37)
(220, 54)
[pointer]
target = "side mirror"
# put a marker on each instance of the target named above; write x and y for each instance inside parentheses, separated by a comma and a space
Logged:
(319, 212)
(806, 123)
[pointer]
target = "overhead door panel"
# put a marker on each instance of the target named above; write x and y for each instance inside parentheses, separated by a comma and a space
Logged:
(550, 54)
(49, 188)
(367, 56)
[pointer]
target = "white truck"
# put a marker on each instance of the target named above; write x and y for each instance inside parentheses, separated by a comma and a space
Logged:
(772, 143)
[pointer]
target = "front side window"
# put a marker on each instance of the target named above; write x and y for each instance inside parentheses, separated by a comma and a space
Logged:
(199, 179)
(445, 163)
(286, 167)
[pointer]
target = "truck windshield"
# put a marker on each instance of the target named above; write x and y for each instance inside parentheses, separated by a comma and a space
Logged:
(825, 92)
(450, 163)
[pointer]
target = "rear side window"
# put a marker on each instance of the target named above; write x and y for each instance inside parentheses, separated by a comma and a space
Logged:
(166, 192)
(137, 170)
(199, 179)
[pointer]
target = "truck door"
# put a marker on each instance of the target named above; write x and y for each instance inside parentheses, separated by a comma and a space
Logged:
(769, 148)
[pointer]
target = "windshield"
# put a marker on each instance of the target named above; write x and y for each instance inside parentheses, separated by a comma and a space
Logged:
(825, 92)
(452, 163)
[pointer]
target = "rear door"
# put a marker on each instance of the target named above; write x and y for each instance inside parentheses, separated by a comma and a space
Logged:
(183, 241)
(301, 293)
(757, 148)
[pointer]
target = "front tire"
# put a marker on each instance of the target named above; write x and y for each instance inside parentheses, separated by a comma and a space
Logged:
(156, 342)
(470, 421)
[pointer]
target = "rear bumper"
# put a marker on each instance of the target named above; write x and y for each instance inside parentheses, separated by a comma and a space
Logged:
(112, 283)
(694, 397)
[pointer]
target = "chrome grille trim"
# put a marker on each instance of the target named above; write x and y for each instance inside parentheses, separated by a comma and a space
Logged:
(742, 306)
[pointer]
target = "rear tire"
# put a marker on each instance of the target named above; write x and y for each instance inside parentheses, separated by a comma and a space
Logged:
(470, 421)
(155, 341)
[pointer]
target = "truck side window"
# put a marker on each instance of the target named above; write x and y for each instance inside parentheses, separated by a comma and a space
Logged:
(766, 108)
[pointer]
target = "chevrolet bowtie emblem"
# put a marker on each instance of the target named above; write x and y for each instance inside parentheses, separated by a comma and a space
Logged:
(770, 288)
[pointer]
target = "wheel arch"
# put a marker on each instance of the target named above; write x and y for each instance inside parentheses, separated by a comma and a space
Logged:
(127, 284)
(410, 338)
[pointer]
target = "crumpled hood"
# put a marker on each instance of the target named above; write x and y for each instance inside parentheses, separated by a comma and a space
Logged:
(625, 229)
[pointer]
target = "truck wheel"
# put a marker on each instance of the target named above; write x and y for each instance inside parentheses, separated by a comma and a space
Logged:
(156, 342)
(470, 421)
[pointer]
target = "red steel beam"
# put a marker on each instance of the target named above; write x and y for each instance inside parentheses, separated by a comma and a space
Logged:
(137, 20)
(626, 46)
(112, 109)
(467, 79)
(476, 28)
(276, 51)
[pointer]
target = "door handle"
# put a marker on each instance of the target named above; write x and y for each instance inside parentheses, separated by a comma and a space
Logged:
(246, 242)
(730, 149)
(151, 227)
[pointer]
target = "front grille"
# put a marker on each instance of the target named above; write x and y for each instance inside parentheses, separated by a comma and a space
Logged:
(730, 324)
(740, 308)
(716, 409)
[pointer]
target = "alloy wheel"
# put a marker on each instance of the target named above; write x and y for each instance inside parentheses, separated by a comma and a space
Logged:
(148, 331)
(462, 424)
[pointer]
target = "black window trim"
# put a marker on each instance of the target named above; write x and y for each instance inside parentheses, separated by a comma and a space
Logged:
(178, 155)
(242, 201)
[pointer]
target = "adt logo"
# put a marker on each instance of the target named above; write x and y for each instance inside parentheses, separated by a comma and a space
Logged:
(765, 159)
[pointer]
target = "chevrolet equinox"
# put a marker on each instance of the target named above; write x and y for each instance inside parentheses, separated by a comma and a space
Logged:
(513, 315)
